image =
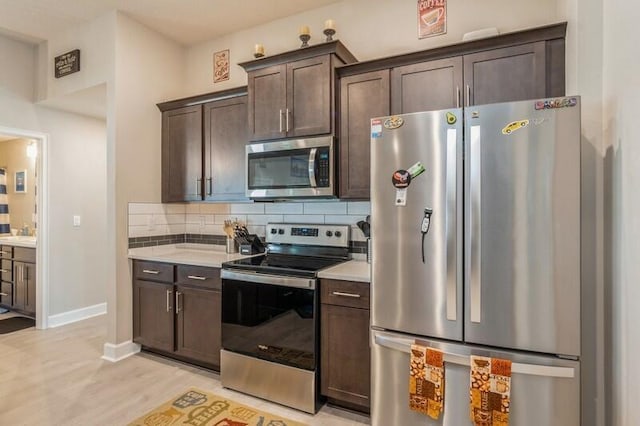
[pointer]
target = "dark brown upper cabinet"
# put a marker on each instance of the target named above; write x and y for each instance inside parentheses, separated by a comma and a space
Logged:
(361, 96)
(182, 154)
(521, 65)
(225, 136)
(426, 86)
(203, 140)
(292, 94)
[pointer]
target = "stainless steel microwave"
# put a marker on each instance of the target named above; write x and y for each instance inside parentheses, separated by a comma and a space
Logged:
(290, 168)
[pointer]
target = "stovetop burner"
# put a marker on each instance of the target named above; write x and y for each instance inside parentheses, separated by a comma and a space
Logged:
(298, 250)
(295, 265)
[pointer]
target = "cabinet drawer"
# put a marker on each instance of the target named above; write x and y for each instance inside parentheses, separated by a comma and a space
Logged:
(153, 271)
(6, 270)
(24, 254)
(345, 293)
(200, 276)
(6, 252)
(6, 294)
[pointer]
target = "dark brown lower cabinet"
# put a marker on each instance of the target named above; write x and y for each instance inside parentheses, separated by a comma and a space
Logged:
(177, 311)
(18, 274)
(197, 335)
(345, 355)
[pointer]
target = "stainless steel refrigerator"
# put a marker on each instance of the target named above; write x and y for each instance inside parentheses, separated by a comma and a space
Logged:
(475, 237)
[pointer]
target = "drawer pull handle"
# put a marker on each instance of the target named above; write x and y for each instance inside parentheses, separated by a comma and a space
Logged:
(4, 270)
(340, 293)
(196, 277)
(150, 271)
(4, 294)
(4, 252)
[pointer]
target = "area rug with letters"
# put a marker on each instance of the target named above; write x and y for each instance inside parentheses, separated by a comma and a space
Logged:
(198, 408)
(12, 324)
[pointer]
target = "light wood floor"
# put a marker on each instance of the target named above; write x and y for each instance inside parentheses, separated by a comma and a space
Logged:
(56, 377)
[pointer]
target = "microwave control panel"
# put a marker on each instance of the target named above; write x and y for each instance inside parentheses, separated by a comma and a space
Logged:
(324, 168)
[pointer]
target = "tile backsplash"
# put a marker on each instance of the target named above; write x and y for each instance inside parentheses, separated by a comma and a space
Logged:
(155, 224)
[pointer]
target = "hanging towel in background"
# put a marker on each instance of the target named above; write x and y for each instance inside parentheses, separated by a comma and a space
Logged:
(490, 391)
(5, 226)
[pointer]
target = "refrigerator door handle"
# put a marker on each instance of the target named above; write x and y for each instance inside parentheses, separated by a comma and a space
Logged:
(404, 345)
(475, 243)
(451, 215)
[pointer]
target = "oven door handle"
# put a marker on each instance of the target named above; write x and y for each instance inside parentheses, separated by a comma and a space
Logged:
(255, 277)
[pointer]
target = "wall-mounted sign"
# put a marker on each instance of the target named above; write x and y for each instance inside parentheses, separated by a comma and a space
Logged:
(221, 66)
(432, 18)
(67, 63)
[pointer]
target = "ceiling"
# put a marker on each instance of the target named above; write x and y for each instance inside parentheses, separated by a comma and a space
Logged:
(185, 21)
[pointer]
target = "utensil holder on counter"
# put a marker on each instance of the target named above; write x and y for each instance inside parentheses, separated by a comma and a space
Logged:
(249, 244)
(232, 246)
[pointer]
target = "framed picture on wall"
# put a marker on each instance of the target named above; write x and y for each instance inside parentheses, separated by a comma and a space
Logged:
(21, 182)
(221, 66)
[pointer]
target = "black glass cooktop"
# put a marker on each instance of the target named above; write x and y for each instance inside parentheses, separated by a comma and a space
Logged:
(304, 266)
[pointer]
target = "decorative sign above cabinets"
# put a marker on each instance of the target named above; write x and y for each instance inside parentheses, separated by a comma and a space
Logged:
(67, 63)
(432, 18)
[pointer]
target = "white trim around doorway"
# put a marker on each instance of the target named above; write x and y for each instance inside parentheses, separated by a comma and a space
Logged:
(42, 252)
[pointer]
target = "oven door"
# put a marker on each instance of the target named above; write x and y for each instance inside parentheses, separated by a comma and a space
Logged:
(270, 317)
(291, 168)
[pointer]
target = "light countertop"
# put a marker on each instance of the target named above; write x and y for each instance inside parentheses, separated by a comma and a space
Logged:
(353, 270)
(185, 254)
(214, 256)
(19, 241)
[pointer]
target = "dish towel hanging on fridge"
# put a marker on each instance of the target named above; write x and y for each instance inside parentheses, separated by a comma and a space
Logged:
(5, 226)
(490, 391)
(426, 381)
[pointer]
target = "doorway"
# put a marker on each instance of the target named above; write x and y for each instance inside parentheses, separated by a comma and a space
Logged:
(38, 146)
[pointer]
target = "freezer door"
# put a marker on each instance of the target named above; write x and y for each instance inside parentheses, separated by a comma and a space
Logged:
(522, 224)
(544, 390)
(416, 281)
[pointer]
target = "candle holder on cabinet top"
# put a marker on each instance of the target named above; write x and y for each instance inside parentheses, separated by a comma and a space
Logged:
(329, 32)
(305, 38)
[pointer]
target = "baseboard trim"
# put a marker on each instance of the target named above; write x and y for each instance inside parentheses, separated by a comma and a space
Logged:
(115, 353)
(76, 315)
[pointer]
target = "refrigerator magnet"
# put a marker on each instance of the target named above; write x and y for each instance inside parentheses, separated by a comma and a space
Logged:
(416, 170)
(401, 197)
(451, 118)
(376, 128)
(401, 178)
(513, 126)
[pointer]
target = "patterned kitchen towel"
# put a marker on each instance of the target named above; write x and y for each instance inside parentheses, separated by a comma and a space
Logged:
(490, 391)
(426, 381)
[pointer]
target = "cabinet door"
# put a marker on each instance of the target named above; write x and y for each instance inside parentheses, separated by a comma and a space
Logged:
(362, 97)
(182, 154)
(153, 315)
(267, 102)
(345, 356)
(503, 75)
(225, 136)
(426, 86)
(29, 278)
(6, 294)
(199, 323)
(309, 105)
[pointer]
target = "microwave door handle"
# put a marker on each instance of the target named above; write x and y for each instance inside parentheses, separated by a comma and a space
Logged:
(312, 167)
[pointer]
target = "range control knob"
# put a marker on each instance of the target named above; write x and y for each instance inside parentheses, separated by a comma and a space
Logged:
(281, 231)
(338, 234)
(274, 231)
(328, 233)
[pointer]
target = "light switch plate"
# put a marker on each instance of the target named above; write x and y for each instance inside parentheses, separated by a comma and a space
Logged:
(76, 220)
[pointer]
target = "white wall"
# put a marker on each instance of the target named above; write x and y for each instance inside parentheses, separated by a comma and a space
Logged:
(621, 100)
(368, 28)
(76, 177)
(148, 69)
